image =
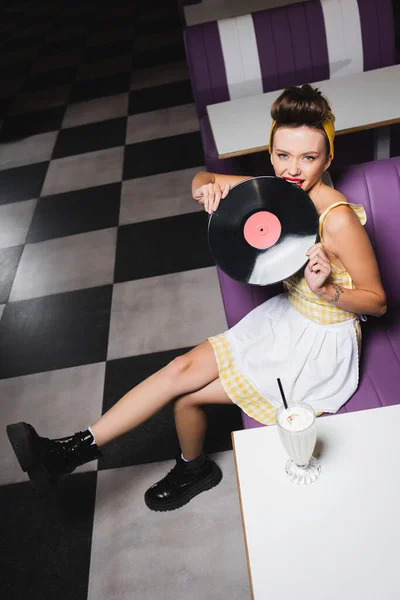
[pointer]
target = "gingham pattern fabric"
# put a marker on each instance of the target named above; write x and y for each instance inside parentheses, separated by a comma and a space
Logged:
(312, 306)
(237, 386)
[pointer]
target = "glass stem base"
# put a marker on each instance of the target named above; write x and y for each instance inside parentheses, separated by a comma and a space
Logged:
(303, 475)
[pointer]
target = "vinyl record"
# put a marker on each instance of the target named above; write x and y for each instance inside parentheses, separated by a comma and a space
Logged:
(261, 231)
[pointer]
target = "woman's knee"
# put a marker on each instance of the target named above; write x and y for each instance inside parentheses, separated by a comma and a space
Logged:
(184, 402)
(178, 366)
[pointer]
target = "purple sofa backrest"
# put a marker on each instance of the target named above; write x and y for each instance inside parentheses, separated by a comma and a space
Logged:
(376, 185)
(290, 45)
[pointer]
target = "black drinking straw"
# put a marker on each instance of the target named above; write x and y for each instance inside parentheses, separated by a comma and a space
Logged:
(282, 393)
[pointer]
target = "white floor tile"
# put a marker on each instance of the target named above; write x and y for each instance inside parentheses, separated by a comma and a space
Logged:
(99, 109)
(159, 75)
(36, 148)
(162, 123)
(65, 264)
(83, 171)
(56, 403)
(158, 196)
(166, 312)
(196, 552)
(15, 220)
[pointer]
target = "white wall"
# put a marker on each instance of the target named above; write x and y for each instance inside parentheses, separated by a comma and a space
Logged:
(210, 10)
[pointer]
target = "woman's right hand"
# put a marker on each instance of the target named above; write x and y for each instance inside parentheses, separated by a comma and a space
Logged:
(210, 195)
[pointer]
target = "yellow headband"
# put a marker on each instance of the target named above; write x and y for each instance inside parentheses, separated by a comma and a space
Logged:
(329, 128)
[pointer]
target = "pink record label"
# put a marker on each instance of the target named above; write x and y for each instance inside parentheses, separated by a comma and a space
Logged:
(262, 230)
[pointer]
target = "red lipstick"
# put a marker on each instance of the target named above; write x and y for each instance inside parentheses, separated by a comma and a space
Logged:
(296, 180)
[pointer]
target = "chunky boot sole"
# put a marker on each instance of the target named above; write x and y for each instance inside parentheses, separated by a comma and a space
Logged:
(23, 443)
(205, 484)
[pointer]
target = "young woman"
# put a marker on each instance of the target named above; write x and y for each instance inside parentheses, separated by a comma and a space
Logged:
(309, 336)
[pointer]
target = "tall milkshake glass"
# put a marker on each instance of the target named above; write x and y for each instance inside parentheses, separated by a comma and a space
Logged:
(298, 433)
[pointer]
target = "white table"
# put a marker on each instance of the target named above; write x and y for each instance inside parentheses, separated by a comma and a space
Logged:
(364, 101)
(338, 538)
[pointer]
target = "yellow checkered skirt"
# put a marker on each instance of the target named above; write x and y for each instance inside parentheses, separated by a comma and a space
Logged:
(237, 386)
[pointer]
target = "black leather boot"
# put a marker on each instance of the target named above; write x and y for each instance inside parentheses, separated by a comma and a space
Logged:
(47, 461)
(182, 483)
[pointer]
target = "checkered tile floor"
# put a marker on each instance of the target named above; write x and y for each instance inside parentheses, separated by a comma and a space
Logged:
(100, 242)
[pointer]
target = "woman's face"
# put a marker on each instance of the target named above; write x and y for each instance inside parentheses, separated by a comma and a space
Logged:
(299, 155)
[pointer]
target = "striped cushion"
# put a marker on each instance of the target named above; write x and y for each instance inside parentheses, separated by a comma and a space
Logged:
(289, 45)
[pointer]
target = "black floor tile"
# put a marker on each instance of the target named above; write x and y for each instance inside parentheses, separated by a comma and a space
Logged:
(22, 183)
(162, 246)
(88, 138)
(108, 50)
(156, 439)
(46, 545)
(170, 21)
(113, 16)
(105, 67)
(113, 21)
(9, 259)
(5, 105)
(77, 17)
(15, 69)
(75, 212)
(162, 96)
(24, 42)
(39, 18)
(104, 86)
(57, 61)
(58, 46)
(159, 56)
(17, 127)
(101, 35)
(81, 12)
(40, 81)
(163, 155)
(55, 332)
(61, 32)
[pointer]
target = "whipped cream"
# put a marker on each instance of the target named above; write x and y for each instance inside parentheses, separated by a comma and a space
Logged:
(295, 418)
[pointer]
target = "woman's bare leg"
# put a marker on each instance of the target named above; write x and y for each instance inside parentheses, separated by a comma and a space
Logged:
(185, 374)
(190, 419)
(200, 473)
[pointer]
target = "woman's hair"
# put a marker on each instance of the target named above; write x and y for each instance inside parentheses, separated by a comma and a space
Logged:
(298, 106)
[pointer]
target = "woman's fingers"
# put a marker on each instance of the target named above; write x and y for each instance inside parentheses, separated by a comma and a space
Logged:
(318, 260)
(198, 195)
(319, 265)
(213, 195)
(217, 198)
(225, 190)
(210, 195)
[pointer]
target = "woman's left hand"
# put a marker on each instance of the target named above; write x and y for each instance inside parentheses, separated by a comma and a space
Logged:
(318, 268)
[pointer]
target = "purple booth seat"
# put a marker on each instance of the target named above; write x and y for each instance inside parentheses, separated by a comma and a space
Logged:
(376, 185)
(289, 45)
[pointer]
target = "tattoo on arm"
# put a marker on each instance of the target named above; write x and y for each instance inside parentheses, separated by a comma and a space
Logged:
(339, 291)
